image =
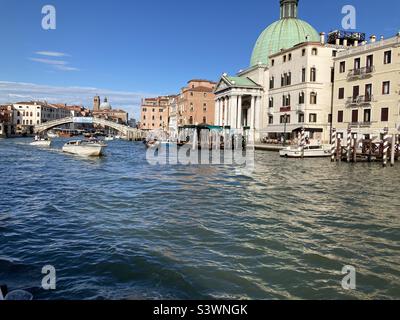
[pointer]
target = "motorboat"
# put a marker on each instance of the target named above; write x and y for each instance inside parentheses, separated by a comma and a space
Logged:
(41, 142)
(92, 148)
(52, 135)
(109, 138)
(310, 151)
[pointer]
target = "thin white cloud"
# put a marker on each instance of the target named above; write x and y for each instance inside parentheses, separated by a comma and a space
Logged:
(66, 68)
(52, 54)
(50, 62)
(11, 92)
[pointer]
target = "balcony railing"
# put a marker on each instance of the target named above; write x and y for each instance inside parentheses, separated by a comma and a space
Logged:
(359, 101)
(361, 72)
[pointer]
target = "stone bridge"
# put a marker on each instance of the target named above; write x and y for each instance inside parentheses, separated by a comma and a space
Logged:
(129, 132)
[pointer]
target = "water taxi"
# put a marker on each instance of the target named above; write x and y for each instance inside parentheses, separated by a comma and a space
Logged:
(41, 142)
(109, 138)
(310, 151)
(92, 148)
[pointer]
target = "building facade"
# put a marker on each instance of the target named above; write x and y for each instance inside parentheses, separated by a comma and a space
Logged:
(154, 113)
(28, 114)
(196, 103)
(6, 121)
(366, 89)
(300, 92)
(173, 115)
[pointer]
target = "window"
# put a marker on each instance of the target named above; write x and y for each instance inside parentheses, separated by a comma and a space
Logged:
(342, 68)
(161, 110)
(153, 118)
(330, 118)
(387, 57)
(313, 98)
(370, 61)
(160, 118)
(314, 51)
(144, 117)
(313, 118)
(303, 75)
(303, 52)
(334, 53)
(313, 75)
(191, 94)
(286, 101)
(272, 83)
(301, 98)
(386, 87)
(285, 118)
(385, 114)
(341, 93)
(290, 57)
(282, 81)
(271, 102)
(204, 120)
(284, 59)
(357, 64)
(356, 92)
(301, 118)
(340, 116)
(154, 110)
(271, 120)
(368, 92)
(367, 115)
(354, 116)
(191, 120)
(272, 62)
(289, 79)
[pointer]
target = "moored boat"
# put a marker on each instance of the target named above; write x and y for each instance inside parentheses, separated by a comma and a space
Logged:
(310, 151)
(84, 148)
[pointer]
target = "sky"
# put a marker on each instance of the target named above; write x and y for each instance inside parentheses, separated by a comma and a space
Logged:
(129, 49)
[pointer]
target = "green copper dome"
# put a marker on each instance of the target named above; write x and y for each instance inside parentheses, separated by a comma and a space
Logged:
(283, 34)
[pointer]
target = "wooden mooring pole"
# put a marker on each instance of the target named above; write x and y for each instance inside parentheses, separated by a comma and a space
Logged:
(334, 145)
(393, 150)
(385, 147)
(349, 145)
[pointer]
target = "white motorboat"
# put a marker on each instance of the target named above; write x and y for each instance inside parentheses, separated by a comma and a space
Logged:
(310, 151)
(109, 138)
(84, 148)
(52, 135)
(41, 143)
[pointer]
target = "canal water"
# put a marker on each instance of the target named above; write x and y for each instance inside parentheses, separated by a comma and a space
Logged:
(118, 228)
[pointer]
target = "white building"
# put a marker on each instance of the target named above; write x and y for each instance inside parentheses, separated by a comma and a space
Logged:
(28, 114)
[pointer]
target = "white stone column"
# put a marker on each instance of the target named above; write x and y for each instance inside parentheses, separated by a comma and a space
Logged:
(221, 111)
(239, 113)
(258, 116)
(252, 112)
(233, 109)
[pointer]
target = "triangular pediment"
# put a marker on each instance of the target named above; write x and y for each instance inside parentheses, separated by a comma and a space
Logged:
(222, 85)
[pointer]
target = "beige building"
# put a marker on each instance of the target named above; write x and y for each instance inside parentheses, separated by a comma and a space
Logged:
(196, 103)
(28, 114)
(105, 111)
(154, 113)
(366, 89)
(300, 91)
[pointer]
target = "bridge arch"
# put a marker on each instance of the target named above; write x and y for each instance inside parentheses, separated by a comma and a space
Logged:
(131, 133)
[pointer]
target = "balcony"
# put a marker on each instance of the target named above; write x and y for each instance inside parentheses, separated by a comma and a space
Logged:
(362, 124)
(359, 101)
(361, 73)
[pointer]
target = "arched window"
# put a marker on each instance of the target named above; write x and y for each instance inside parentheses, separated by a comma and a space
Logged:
(314, 51)
(313, 75)
(313, 98)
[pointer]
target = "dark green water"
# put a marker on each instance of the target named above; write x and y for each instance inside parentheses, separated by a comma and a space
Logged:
(118, 228)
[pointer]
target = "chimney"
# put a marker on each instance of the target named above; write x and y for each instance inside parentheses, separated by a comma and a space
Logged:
(373, 39)
(338, 42)
(345, 42)
(322, 37)
(356, 43)
(364, 43)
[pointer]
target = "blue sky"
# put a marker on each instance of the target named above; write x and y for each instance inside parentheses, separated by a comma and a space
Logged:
(128, 49)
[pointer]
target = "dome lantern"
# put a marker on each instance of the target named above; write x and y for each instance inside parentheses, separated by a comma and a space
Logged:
(289, 8)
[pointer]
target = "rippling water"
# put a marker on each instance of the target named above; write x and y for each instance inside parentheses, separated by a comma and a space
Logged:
(118, 228)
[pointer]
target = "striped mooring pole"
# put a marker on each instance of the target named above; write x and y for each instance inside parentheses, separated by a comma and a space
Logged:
(303, 141)
(334, 145)
(385, 146)
(349, 145)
